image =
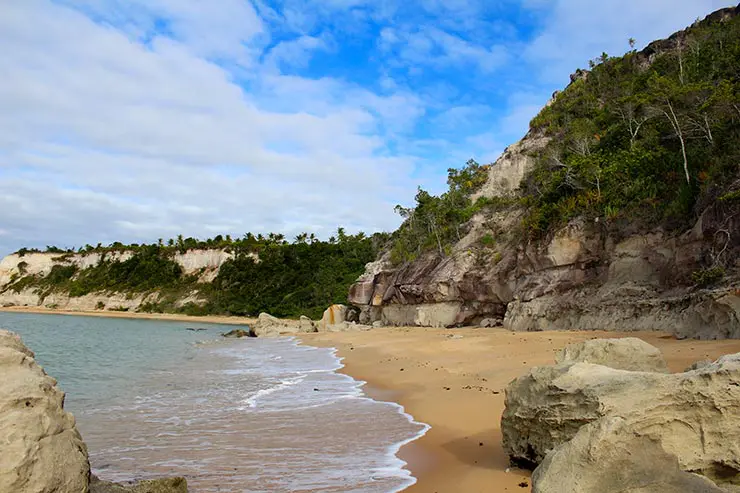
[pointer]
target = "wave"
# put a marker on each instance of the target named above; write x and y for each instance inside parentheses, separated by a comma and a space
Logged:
(252, 400)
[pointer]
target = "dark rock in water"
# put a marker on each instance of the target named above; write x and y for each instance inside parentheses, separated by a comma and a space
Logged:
(196, 329)
(238, 333)
(167, 485)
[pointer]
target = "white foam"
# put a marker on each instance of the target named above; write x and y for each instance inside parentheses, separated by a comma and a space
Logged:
(252, 400)
(396, 469)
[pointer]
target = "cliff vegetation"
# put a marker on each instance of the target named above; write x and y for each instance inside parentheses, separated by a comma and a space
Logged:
(260, 274)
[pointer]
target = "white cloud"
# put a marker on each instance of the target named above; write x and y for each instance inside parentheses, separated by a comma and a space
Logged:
(137, 119)
(576, 31)
(433, 47)
(109, 139)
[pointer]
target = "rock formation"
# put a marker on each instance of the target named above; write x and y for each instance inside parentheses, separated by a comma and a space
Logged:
(42, 451)
(629, 353)
(167, 485)
(204, 264)
(237, 334)
(334, 318)
(588, 274)
(269, 326)
(694, 416)
(606, 457)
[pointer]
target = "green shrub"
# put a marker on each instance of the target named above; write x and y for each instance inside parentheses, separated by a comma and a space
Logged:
(488, 240)
(708, 277)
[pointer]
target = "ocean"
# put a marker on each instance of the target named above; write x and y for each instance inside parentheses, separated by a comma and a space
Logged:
(153, 398)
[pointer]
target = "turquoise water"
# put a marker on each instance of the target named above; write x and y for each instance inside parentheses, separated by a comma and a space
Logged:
(153, 398)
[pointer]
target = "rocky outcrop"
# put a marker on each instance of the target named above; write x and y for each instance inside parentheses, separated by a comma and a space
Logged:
(508, 171)
(593, 273)
(629, 353)
(582, 278)
(269, 326)
(694, 416)
(167, 485)
(42, 451)
(237, 334)
(606, 456)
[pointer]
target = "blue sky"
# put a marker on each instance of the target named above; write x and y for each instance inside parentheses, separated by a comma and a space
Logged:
(132, 120)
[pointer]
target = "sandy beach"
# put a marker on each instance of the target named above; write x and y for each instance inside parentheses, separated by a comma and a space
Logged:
(454, 380)
(209, 319)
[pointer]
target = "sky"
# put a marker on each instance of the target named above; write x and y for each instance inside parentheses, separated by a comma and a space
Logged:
(133, 120)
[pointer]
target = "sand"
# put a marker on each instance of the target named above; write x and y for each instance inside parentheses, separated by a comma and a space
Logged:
(454, 380)
(208, 319)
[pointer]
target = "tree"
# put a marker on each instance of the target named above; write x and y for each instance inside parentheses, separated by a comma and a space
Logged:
(666, 98)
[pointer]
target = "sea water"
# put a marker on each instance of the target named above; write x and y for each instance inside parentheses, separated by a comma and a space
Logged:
(153, 398)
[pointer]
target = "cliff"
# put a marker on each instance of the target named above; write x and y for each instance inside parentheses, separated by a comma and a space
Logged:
(592, 220)
(203, 264)
(243, 277)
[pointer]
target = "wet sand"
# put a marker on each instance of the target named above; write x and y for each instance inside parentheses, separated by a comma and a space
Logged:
(454, 380)
(208, 319)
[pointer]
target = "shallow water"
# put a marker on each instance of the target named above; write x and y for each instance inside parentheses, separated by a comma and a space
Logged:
(152, 398)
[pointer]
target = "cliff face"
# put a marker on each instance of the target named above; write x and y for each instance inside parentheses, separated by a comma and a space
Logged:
(582, 277)
(205, 264)
(590, 273)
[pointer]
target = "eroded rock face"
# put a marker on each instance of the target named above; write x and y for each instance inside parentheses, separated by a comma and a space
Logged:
(606, 456)
(580, 279)
(41, 450)
(694, 415)
(629, 353)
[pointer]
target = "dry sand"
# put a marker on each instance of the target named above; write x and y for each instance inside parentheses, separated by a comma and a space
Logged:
(212, 319)
(454, 380)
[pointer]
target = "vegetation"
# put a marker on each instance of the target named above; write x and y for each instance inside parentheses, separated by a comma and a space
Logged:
(295, 279)
(644, 140)
(435, 223)
(266, 274)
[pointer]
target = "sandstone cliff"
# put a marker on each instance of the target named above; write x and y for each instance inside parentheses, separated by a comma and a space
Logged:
(593, 272)
(204, 264)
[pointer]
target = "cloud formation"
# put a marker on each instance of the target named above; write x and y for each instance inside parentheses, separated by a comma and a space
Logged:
(131, 120)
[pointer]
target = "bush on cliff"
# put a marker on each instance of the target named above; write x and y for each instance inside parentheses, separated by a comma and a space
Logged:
(649, 137)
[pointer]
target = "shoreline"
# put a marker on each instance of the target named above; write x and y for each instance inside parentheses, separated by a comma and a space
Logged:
(454, 379)
(451, 380)
(172, 317)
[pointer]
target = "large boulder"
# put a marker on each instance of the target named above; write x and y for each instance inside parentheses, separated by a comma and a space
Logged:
(305, 324)
(629, 353)
(41, 450)
(237, 334)
(334, 315)
(606, 456)
(269, 326)
(694, 415)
